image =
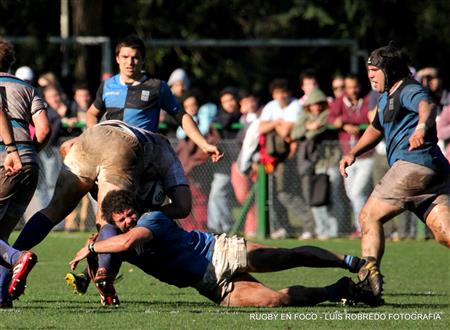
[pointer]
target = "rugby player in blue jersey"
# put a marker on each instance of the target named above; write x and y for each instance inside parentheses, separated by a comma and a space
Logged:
(111, 155)
(216, 265)
(136, 98)
(133, 96)
(419, 177)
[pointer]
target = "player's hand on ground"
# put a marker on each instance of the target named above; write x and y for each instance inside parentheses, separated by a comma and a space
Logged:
(417, 139)
(215, 153)
(65, 147)
(12, 163)
(81, 254)
(345, 162)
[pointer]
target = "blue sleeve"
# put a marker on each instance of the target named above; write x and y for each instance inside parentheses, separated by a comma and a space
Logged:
(206, 115)
(412, 95)
(98, 102)
(167, 100)
(157, 222)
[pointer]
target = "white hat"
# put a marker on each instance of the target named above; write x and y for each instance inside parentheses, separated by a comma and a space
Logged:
(177, 75)
(25, 73)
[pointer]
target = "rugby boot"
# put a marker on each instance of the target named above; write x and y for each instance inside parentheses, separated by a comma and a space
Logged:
(78, 282)
(21, 269)
(370, 272)
(364, 294)
(343, 290)
(105, 285)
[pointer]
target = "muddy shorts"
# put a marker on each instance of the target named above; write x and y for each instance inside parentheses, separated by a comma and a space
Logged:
(229, 258)
(413, 187)
(107, 154)
(15, 194)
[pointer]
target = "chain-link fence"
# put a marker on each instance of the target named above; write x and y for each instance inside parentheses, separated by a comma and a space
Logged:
(224, 200)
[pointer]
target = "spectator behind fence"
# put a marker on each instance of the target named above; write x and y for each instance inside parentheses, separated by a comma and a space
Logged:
(430, 79)
(276, 121)
(80, 104)
(49, 79)
(78, 108)
(337, 85)
(179, 83)
(318, 154)
(242, 179)
(308, 82)
(191, 156)
(49, 157)
(347, 114)
(220, 217)
(443, 129)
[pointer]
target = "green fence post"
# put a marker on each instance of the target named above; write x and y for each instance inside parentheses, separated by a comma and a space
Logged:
(261, 201)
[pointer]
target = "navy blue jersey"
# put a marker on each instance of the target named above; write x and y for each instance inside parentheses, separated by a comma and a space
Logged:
(397, 117)
(138, 105)
(174, 255)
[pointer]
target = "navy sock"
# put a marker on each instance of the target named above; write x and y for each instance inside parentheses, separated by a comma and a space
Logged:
(35, 230)
(108, 260)
(5, 278)
(9, 254)
(353, 263)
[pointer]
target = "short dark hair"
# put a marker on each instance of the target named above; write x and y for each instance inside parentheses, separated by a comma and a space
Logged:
(80, 85)
(352, 76)
(279, 83)
(131, 41)
(233, 91)
(7, 53)
(307, 74)
(117, 201)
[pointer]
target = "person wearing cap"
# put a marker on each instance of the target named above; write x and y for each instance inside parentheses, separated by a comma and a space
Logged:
(419, 174)
(25, 73)
(178, 82)
(311, 127)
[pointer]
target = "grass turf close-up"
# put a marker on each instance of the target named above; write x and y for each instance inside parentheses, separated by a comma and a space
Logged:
(416, 292)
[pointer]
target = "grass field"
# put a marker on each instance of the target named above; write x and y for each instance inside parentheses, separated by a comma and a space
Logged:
(417, 276)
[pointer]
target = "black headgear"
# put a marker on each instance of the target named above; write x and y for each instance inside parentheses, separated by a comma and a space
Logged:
(392, 61)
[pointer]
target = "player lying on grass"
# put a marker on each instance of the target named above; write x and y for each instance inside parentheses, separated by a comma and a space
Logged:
(217, 266)
(110, 155)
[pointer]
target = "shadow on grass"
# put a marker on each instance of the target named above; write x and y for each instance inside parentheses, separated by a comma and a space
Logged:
(416, 294)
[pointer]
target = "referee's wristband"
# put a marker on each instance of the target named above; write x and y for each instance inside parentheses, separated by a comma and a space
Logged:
(420, 126)
(91, 247)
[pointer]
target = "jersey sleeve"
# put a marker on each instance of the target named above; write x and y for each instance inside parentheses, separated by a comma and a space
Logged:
(167, 100)
(376, 122)
(98, 102)
(36, 103)
(157, 222)
(412, 95)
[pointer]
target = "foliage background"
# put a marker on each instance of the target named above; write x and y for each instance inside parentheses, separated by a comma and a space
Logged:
(421, 27)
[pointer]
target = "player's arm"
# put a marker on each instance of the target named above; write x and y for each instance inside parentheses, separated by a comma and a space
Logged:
(42, 129)
(12, 163)
(93, 115)
(115, 244)
(371, 137)
(181, 202)
(191, 129)
(427, 118)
